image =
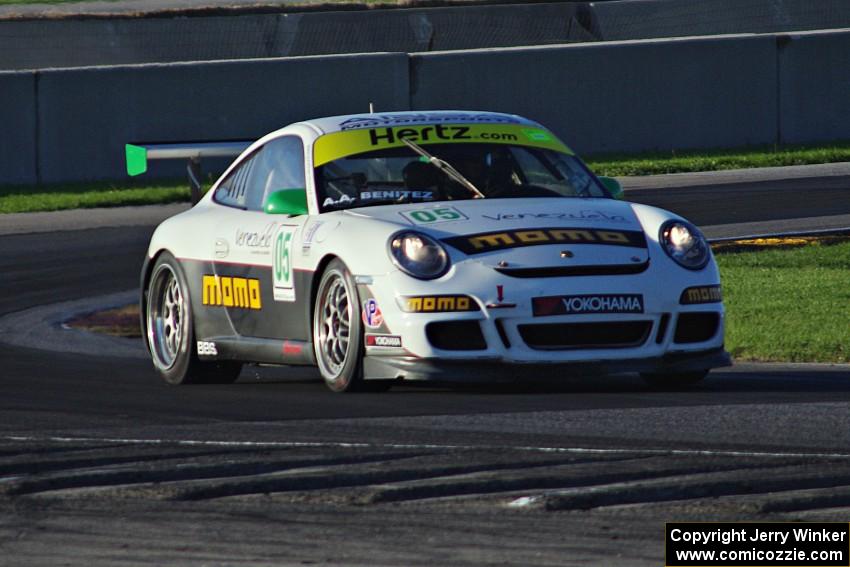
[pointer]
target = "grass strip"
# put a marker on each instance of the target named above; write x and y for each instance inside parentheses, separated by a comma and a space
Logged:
(788, 304)
(28, 199)
(615, 165)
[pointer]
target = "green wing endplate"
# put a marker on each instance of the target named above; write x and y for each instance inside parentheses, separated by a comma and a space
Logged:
(137, 159)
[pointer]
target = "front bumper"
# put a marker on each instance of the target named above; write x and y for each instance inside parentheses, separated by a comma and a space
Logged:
(489, 370)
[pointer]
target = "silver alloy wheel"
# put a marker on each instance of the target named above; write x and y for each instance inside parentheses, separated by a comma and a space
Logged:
(166, 317)
(333, 326)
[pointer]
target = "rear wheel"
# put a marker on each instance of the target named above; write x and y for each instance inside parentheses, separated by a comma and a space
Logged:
(170, 330)
(337, 331)
(673, 381)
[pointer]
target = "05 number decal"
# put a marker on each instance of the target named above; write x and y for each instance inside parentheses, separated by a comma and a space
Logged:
(431, 216)
(282, 272)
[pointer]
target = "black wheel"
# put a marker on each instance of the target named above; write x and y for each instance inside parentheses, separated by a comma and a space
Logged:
(337, 330)
(170, 331)
(674, 381)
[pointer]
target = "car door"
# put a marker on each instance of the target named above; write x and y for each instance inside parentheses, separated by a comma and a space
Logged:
(261, 292)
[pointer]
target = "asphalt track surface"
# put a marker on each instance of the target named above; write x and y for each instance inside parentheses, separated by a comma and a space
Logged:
(102, 464)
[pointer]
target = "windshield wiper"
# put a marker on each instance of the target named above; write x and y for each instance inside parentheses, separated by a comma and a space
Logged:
(445, 167)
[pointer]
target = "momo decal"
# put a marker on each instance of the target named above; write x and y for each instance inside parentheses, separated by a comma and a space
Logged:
(372, 316)
(587, 304)
(223, 291)
(701, 294)
(437, 303)
(581, 215)
(433, 216)
(282, 272)
(383, 341)
(489, 241)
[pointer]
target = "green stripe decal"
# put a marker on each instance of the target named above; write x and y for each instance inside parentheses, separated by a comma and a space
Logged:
(137, 159)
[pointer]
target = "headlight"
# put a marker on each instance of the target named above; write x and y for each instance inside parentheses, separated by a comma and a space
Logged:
(419, 255)
(685, 244)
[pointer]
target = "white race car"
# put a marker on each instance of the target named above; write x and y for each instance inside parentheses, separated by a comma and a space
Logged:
(423, 245)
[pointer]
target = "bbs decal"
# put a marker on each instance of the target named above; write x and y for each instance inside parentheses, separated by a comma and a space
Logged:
(206, 348)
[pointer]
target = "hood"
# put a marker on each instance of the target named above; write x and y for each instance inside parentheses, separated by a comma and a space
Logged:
(473, 215)
(524, 234)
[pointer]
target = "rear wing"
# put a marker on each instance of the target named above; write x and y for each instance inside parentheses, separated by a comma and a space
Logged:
(138, 155)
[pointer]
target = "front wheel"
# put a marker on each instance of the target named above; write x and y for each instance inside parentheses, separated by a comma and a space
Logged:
(337, 331)
(170, 332)
(674, 381)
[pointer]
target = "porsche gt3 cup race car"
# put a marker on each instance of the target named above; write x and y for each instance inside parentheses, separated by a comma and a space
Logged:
(423, 245)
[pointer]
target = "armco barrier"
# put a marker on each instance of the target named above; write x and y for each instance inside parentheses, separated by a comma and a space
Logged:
(622, 96)
(86, 115)
(18, 157)
(814, 87)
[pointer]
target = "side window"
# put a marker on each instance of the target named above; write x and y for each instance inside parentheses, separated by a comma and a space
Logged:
(283, 167)
(233, 191)
(279, 164)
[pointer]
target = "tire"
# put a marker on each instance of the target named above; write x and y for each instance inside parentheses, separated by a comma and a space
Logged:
(674, 381)
(337, 330)
(170, 330)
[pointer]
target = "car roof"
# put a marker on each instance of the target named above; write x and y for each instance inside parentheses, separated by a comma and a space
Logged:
(413, 118)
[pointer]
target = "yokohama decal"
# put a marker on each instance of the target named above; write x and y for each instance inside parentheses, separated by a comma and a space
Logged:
(383, 341)
(587, 304)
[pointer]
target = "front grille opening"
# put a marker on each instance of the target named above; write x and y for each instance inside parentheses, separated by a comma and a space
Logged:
(662, 328)
(564, 336)
(455, 335)
(696, 327)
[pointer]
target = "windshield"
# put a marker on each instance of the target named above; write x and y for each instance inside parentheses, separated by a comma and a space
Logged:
(401, 175)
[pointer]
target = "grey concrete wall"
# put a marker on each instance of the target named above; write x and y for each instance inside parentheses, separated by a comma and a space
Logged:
(628, 96)
(814, 93)
(44, 43)
(87, 115)
(17, 128)
(39, 44)
(71, 124)
(627, 19)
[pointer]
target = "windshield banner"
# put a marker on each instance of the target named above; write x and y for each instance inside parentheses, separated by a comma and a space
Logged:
(338, 145)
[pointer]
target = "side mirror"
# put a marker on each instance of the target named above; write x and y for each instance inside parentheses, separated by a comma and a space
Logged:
(287, 202)
(613, 186)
